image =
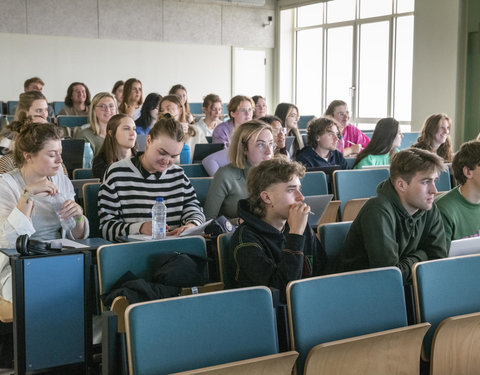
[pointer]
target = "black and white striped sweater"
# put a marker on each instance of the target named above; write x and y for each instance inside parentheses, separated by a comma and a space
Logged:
(126, 198)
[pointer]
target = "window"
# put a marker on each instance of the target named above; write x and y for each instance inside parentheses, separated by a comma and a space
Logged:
(359, 51)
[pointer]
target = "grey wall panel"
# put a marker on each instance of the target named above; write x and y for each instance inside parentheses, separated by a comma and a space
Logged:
(243, 27)
(63, 18)
(130, 20)
(192, 22)
(13, 16)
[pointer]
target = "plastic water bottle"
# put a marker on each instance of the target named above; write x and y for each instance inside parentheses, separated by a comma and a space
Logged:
(159, 219)
(185, 154)
(57, 203)
(87, 155)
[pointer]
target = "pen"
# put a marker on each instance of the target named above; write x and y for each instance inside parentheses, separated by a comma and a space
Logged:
(311, 213)
(354, 144)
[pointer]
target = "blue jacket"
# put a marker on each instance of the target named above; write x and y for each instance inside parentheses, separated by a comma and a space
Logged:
(309, 158)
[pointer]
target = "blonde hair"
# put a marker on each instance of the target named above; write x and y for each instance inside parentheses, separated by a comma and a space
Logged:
(92, 117)
(240, 138)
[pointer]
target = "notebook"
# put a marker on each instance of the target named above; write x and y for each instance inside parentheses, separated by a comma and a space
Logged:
(465, 246)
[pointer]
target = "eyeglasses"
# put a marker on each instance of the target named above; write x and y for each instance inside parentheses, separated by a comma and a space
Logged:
(262, 146)
(104, 107)
(245, 110)
(276, 132)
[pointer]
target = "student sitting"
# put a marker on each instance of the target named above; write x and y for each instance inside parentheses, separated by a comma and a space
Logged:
(322, 138)
(77, 100)
(460, 207)
(132, 98)
(240, 110)
(120, 143)
(102, 108)
(149, 113)
(435, 136)
(402, 225)
(252, 143)
(26, 205)
(386, 140)
(132, 185)
(274, 244)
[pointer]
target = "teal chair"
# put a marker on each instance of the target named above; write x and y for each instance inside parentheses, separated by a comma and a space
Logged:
(71, 121)
(304, 120)
(444, 288)
(181, 334)
(11, 107)
(82, 173)
(90, 207)
(332, 236)
(194, 170)
(201, 186)
(368, 134)
(314, 183)
(223, 249)
(57, 107)
(444, 181)
(409, 139)
(357, 183)
(116, 259)
(196, 108)
(328, 308)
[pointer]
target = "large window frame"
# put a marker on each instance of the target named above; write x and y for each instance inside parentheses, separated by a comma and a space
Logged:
(353, 101)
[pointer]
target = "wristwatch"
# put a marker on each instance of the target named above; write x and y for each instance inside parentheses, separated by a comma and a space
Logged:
(26, 194)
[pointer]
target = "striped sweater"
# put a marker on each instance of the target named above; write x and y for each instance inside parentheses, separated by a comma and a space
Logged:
(126, 198)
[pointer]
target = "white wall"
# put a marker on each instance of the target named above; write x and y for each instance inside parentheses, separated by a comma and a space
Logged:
(436, 60)
(99, 63)
(160, 42)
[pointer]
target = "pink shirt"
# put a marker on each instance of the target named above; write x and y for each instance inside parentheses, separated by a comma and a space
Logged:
(352, 134)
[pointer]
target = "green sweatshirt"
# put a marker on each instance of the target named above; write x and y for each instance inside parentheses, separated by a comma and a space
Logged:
(461, 218)
(385, 234)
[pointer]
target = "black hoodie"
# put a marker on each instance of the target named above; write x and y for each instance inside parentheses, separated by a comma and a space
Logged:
(262, 255)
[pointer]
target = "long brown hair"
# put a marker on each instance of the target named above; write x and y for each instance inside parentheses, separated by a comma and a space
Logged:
(110, 145)
(429, 129)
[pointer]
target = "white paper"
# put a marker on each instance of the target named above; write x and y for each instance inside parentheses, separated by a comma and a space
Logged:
(195, 230)
(69, 243)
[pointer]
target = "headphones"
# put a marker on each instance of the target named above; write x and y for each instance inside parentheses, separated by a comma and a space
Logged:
(26, 246)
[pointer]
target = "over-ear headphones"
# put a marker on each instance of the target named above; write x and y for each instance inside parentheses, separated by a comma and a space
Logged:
(26, 246)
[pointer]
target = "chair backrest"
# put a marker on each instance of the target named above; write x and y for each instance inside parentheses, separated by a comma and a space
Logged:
(196, 108)
(368, 134)
(331, 213)
(58, 106)
(184, 333)
(393, 351)
(202, 150)
(332, 236)
(116, 259)
(445, 288)
(444, 182)
(314, 183)
(11, 107)
(90, 207)
(352, 208)
(328, 308)
(409, 139)
(72, 121)
(82, 173)
(194, 170)
(350, 161)
(274, 364)
(72, 154)
(304, 120)
(456, 346)
(357, 183)
(201, 186)
(223, 248)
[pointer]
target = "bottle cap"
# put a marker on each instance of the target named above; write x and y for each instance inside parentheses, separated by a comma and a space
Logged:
(159, 199)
